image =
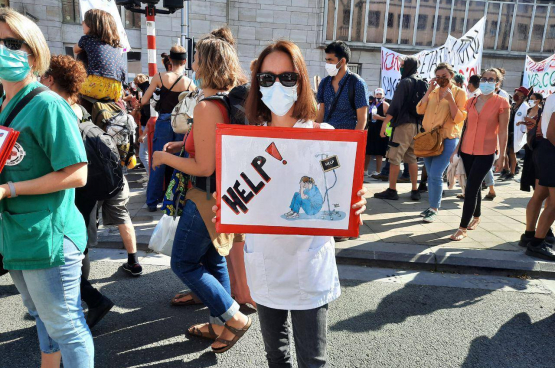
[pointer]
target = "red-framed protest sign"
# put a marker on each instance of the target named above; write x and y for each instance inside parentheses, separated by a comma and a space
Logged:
(288, 180)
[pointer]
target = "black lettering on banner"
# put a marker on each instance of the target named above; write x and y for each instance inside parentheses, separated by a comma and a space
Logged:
(256, 189)
(246, 197)
(257, 163)
(235, 203)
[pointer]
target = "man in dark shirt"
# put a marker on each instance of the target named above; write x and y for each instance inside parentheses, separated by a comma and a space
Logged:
(342, 95)
(405, 127)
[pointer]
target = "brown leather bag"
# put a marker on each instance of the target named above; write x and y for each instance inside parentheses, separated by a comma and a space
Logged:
(428, 144)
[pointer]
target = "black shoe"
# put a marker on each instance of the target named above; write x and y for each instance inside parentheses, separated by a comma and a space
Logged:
(134, 270)
(415, 195)
(339, 239)
(422, 188)
(152, 208)
(524, 240)
(403, 180)
(387, 194)
(508, 177)
(96, 314)
(543, 251)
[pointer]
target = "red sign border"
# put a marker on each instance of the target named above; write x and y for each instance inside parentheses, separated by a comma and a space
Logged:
(335, 135)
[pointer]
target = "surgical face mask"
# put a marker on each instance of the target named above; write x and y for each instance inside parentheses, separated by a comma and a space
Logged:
(196, 81)
(332, 69)
(14, 65)
(532, 103)
(401, 70)
(487, 88)
(279, 99)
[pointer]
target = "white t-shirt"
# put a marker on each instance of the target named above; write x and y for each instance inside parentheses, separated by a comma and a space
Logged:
(477, 92)
(504, 93)
(292, 272)
(520, 131)
(548, 110)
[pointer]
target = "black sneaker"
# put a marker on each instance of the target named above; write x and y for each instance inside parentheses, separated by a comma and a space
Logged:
(96, 314)
(387, 194)
(415, 195)
(524, 240)
(543, 251)
(134, 270)
(508, 177)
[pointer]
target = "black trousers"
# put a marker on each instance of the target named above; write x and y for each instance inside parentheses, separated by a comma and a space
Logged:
(476, 167)
(309, 333)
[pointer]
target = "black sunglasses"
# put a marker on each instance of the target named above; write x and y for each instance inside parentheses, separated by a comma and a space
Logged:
(13, 43)
(286, 79)
(491, 80)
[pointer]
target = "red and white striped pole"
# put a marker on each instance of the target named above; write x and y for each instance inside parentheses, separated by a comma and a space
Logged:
(151, 40)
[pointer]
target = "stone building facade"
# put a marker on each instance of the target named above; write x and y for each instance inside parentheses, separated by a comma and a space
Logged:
(514, 28)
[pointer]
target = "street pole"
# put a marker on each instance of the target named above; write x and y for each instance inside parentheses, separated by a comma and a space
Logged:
(151, 40)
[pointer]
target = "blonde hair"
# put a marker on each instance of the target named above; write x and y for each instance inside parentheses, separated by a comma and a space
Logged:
(218, 63)
(140, 78)
(446, 66)
(27, 30)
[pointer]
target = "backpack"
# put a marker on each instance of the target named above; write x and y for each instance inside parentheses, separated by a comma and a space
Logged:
(418, 90)
(102, 111)
(234, 102)
(182, 114)
(122, 127)
(105, 175)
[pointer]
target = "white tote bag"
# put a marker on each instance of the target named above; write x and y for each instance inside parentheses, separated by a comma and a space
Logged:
(161, 240)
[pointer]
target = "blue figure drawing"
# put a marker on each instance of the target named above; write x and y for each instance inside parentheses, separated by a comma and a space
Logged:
(308, 198)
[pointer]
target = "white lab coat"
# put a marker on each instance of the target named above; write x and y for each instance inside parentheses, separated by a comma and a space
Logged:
(292, 272)
(520, 131)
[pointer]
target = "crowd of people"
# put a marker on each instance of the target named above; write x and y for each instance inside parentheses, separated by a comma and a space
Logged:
(51, 193)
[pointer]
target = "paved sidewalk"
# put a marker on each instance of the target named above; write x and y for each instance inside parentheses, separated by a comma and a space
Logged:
(394, 235)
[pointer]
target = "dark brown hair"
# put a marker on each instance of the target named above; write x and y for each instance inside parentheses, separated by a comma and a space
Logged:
(68, 74)
(305, 107)
(225, 34)
(307, 179)
(102, 26)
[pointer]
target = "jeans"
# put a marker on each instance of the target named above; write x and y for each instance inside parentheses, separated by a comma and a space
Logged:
(198, 264)
(435, 167)
(385, 170)
(298, 202)
(309, 333)
(489, 178)
(476, 167)
(163, 134)
(52, 297)
(143, 153)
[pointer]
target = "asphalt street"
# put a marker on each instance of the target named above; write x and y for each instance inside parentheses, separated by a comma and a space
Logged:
(384, 318)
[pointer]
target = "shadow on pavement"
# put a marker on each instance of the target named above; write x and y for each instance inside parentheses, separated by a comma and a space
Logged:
(505, 348)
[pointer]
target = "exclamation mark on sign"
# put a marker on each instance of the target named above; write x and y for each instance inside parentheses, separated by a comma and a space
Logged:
(274, 152)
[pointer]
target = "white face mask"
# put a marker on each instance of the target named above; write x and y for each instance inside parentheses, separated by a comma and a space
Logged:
(332, 69)
(279, 99)
(532, 103)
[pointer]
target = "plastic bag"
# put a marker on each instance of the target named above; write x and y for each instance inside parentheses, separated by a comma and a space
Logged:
(161, 240)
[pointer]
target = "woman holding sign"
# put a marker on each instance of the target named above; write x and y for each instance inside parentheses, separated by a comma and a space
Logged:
(290, 274)
(43, 233)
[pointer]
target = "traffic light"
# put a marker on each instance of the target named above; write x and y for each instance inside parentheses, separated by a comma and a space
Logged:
(173, 4)
(190, 48)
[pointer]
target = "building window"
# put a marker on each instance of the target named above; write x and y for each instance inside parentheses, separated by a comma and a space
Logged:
(454, 24)
(551, 33)
(390, 20)
(133, 56)
(69, 51)
(354, 68)
(406, 21)
(70, 11)
(423, 22)
(374, 18)
(132, 20)
(493, 28)
(446, 25)
(346, 16)
(522, 31)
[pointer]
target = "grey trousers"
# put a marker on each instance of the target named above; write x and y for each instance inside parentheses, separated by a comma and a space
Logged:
(309, 334)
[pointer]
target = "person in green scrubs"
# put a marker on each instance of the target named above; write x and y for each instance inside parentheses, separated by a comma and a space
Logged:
(43, 235)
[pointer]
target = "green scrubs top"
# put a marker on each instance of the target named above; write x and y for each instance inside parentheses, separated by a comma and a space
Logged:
(33, 226)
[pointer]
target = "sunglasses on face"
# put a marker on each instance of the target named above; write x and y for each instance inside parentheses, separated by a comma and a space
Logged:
(286, 79)
(12, 43)
(490, 80)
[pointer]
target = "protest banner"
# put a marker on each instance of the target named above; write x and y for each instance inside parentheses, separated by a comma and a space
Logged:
(540, 75)
(465, 54)
(288, 180)
(111, 7)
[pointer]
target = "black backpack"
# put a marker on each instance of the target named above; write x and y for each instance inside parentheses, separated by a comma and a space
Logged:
(105, 174)
(418, 90)
(234, 102)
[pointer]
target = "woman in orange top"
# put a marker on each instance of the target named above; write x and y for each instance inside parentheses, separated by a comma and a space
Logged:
(443, 107)
(487, 124)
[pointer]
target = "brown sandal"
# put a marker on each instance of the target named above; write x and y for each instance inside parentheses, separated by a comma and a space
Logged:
(193, 301)
(195, 331)
(474, 223)
(238, 334)
(461, 236)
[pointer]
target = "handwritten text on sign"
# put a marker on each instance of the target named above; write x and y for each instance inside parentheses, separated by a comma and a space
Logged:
(540, 75)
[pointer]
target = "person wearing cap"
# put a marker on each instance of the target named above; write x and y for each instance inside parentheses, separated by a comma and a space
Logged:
(376, 145)
(517, 133)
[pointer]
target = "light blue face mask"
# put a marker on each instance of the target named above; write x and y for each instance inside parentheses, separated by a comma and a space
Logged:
(487, 87)
(14, 65)
(196, 82)
(278, 98)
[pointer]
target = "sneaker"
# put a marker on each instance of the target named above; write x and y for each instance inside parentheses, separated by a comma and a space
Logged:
(403, 180)
(94, 315)
(374, 173)
(543, 251)
(380, 177)
(134, 270)
(415, 195)
(508, 177)
(387, 194)
(431, 217)
(524, 240)
(425, 212)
